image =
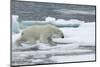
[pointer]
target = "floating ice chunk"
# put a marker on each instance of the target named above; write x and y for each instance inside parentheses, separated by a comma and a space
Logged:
(50, 19)
(60, 21)
(75, 21)
(68, 23)
(28, 23)
(15, 24)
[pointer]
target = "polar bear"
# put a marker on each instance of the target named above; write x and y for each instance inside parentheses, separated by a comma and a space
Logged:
(43, 33)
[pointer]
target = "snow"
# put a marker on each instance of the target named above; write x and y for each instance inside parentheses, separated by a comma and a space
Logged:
(78, 45)
(50, 19)
(71, 22)
(85, 34)
(62, 59)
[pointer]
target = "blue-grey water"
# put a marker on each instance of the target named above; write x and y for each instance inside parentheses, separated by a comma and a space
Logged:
(39, 11)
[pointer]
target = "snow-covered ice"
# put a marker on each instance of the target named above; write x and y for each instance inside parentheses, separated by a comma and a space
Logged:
(76, 58)
(78, 45)
(50, 19)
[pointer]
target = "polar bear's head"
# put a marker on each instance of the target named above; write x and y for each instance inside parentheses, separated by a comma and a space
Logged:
(58, 34)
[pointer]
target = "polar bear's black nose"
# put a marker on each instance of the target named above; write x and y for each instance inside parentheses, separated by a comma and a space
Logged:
(62, 36)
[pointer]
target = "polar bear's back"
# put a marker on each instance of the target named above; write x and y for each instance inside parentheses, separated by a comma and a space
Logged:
(41, 28)
(38, 28)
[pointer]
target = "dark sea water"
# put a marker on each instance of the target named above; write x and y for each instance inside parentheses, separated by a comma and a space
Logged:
(39, 11)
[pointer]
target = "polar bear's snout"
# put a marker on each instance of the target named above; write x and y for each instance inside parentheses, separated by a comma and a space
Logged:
(58, 34)
(62, 36)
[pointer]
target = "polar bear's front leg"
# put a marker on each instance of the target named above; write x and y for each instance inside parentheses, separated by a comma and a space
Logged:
(51, 42)
(44, 39)
(47, 40)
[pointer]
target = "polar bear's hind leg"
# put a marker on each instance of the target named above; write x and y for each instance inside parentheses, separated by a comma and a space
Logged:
(19, 41)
